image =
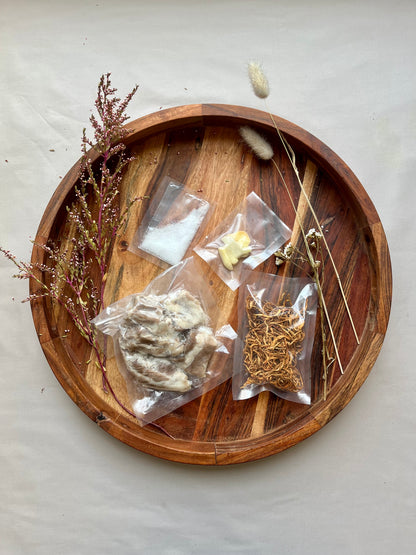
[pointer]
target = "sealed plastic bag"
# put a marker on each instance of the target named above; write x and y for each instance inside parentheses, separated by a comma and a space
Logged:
(165, 342)
(277, 317)
(170, 224)
(245, 239)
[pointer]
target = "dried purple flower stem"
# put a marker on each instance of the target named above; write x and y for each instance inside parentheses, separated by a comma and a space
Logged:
(70, 268)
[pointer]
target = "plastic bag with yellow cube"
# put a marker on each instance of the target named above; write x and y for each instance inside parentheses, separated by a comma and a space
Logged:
(243, 240)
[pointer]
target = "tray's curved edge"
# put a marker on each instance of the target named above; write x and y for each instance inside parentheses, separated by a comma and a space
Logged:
(373, 336)
(222, 453)
(148, 439)
(195, 114)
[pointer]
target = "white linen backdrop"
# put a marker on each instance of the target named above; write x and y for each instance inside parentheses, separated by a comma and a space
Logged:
(342, 69)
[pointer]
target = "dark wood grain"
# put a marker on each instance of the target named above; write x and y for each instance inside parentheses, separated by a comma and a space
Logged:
(200, 146)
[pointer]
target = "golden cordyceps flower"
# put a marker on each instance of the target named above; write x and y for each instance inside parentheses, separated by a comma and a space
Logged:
(258, 80)
(257, 143)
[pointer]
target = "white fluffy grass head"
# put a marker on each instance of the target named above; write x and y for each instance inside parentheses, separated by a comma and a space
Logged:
(257, 143)
(258, 80)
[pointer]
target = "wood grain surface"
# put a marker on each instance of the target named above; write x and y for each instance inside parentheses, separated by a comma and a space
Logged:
(200, 146)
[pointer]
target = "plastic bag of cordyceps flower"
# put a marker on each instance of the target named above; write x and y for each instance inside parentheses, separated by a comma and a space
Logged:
(167, 343)
(276, 330)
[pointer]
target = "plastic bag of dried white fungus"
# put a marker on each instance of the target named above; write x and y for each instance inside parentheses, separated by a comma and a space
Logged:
(166, 343)
(276, 330)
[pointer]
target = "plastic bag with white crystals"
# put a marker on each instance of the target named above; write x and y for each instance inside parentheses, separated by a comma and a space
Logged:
(172, 221)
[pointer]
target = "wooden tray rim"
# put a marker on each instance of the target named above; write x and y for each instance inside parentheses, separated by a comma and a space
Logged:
(241, 450)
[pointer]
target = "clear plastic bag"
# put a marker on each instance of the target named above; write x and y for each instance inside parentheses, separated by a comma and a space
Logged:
(165, 342)
(250, 234)
(170, 224)
(277, 317)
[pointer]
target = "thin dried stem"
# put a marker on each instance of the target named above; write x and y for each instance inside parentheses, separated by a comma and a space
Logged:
(314, 266)
(96, 219)
(291, 155)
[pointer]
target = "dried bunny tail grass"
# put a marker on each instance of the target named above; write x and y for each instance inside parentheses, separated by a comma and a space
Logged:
(260, 86)
(258, 80)
(257, 143)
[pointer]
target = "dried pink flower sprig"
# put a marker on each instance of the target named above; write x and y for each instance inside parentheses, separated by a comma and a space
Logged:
(99, 230)
(97, 218)
(69, 271)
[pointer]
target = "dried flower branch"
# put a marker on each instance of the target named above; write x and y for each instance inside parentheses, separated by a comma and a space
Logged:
(315, 260)
(257, 76)
(97, 220)
(287, 254)
(312, 240)
(314, 263)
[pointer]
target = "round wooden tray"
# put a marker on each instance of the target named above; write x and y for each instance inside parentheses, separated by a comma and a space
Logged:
(200, 146)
